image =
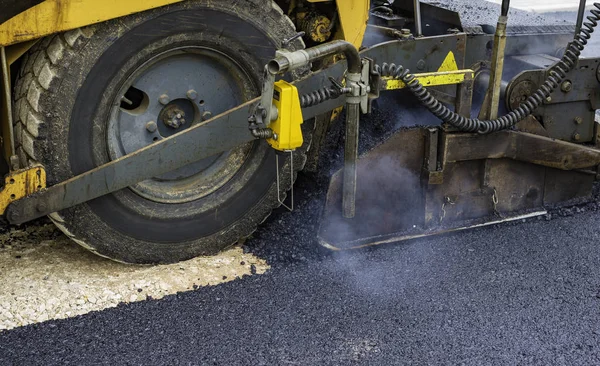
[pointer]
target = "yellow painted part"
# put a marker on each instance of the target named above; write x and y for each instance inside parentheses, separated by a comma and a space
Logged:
(287, 126)
(353, 15)
(449, 63)
(14, 52)
(336, 113)
(431, 79)
(21, 183)
(52, 16)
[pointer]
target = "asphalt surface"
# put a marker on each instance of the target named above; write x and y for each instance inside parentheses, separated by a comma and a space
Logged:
(517, 293)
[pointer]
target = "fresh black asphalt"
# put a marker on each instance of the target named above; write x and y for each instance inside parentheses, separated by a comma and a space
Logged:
(525, 293)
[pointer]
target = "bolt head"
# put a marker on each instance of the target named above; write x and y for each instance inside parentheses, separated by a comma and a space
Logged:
(164, 99)
(206, 115)
(192, 94)
(566, 86)
(41, 207)
(578, 120)
(151, 126)
(576, 137)
(13, 215)
(549, 99)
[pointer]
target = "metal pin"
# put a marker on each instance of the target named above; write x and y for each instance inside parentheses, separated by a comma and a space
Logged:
(418, 27)
(279, 199)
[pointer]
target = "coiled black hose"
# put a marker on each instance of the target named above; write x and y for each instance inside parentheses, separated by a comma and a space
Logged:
(556, 76)
(319, 96)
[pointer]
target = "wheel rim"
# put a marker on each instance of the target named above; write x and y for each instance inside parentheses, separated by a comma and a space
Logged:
(169, 93)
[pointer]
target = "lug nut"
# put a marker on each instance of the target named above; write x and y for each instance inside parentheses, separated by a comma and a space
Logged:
(151, 126)
(206, 115)
(164, 99)
(192, 94)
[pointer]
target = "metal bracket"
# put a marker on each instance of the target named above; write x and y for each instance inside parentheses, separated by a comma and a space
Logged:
(279, 199)
(21, 183)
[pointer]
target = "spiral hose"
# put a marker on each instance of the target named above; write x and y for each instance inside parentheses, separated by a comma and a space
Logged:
(556, 76)
(318, 96)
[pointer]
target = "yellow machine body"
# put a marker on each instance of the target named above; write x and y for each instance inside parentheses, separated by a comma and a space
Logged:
(52, 16)
(287, 127)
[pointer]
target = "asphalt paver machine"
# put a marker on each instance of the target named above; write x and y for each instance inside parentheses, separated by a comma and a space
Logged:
(156, 131)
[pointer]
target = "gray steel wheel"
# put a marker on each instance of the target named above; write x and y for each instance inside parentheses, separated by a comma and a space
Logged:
(168, 94)
(91, 95)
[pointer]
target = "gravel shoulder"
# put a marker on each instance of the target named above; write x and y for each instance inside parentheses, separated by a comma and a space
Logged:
(46, 276)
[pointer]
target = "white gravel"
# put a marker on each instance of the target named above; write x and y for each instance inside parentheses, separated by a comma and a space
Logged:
(46, 276)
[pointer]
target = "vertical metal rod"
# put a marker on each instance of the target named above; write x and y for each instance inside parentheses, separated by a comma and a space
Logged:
(291, 206)
(580, 15)
(505, 8)
(492, 97)
(8, 97)
(418, 27)
(350, 158)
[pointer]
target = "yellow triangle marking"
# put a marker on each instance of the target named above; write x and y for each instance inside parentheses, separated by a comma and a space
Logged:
(449, 63)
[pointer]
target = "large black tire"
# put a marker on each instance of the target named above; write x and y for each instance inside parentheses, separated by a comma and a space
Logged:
(65, 89)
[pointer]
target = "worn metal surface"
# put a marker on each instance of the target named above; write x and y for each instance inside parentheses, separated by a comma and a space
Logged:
(411, 186)
(52, 16)
(6, 117)
(489, 109)
(520, 146)
(569, 113)
(21, 183)
(159, 99)
(353, 16)
(431, 79)
(221, 133)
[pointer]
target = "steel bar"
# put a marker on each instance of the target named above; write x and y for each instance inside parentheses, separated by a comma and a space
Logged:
(418, 26)
(505, 7)
(9, 146)
(221, 133)
(519, 146)
(580, 15)
(350, 158)
(492, 98)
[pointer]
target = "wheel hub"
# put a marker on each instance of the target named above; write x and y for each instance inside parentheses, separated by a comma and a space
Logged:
(172, 116)
(160, 99)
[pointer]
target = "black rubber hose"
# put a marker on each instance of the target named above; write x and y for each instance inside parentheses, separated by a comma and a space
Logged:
(556, 76)
(505, 7)
(318, 96)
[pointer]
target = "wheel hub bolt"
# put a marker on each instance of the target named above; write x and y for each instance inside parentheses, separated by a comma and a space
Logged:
(164, 99)
(192, 94)
(175, 118)
(151, 126)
